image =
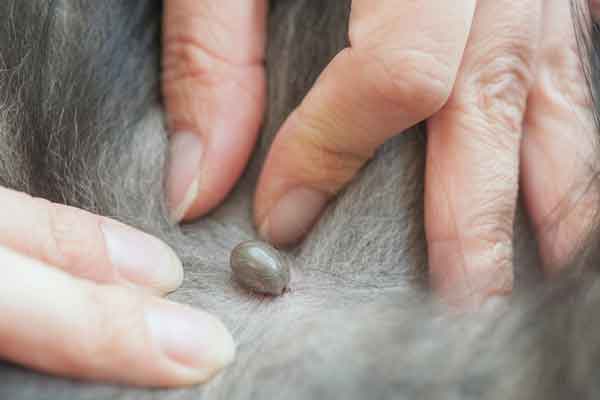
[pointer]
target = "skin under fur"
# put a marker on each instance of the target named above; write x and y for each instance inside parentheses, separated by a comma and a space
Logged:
(81, 124)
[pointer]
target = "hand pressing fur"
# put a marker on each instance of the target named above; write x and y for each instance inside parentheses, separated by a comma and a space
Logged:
(79, 293)
(500, 83)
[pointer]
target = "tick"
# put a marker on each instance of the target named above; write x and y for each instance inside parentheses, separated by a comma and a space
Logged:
(260, 268)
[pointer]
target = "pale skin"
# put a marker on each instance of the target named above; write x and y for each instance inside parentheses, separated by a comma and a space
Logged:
(498, 81)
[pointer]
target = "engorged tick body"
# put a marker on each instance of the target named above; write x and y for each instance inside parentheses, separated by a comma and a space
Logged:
(260, 268)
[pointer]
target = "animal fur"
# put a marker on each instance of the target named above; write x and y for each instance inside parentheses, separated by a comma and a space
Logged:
(81, 123)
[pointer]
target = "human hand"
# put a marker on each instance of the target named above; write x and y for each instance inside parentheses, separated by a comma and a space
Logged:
(76, 300)
(214, 87)
(501, 82)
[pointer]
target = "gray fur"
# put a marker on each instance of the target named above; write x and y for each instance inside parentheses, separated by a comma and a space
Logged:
(81, 123)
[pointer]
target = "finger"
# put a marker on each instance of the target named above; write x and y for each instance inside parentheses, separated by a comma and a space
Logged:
(473, 155)
(86, 245)
(214, 89)
(59, 324)
(594, 6)
(559, 143)
(398, 71)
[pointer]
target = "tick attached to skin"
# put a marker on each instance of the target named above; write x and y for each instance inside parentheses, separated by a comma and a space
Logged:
(260, 268)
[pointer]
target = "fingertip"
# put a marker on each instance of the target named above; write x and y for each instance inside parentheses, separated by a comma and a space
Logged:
(207, 158)
(183, 179)
(201, 175)
(197, 188)
(141, 259)
(292, 216)
(197, 344)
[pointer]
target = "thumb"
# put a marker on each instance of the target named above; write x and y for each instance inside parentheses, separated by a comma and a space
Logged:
(214, 88)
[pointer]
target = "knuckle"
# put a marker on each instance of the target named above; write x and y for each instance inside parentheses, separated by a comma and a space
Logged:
(494, 222)
(414, 80)
(500, 86)
(562, 75)
(577, 205)
(72, 236)
(185, 58)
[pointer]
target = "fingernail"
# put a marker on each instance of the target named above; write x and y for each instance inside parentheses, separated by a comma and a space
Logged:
(183, 179)
(292, 217)
(141, 259)
(191, 338)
